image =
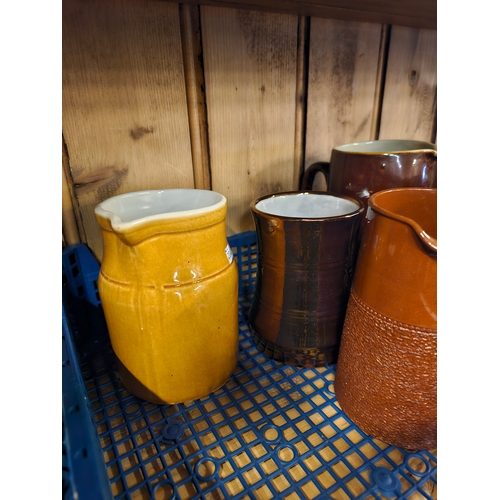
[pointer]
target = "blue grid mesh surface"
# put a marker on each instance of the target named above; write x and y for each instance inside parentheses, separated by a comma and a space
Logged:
(272, 431)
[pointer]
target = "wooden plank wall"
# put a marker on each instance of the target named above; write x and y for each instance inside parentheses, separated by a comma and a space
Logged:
(163, 95)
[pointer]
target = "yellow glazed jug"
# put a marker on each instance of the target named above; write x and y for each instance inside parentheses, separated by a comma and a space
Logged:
(169, 290)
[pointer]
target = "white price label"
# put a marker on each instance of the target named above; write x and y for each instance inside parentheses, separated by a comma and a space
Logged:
(229, 254)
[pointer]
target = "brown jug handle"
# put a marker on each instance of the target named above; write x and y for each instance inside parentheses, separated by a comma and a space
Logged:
(310, 174)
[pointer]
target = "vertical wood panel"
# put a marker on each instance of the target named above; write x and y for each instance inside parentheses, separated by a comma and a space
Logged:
(409, 106)
(344, 76)
(125, 117)
(250, 74)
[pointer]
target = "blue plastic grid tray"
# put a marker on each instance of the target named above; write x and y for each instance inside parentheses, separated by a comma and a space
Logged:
(272, 431)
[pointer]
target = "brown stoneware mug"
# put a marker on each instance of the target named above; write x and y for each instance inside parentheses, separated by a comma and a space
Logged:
(306, 246)
(360, 169)
(386, 376)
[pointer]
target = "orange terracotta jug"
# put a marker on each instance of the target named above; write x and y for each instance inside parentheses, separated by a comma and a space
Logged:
(386, 377)
(169, 290)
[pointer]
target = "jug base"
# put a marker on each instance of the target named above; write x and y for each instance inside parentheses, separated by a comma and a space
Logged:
(307, 357)
(139, 390)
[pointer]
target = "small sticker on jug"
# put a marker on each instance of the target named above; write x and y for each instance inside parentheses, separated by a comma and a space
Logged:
(229, 254)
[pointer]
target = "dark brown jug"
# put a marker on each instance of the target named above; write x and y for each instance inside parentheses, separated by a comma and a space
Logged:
(360, 169)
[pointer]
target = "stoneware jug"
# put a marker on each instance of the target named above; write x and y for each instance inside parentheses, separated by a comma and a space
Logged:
(387, 368)
(360, 169)
(305, 263)
(169, 290)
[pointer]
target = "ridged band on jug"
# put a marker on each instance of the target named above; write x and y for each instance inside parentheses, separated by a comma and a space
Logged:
(299, 356)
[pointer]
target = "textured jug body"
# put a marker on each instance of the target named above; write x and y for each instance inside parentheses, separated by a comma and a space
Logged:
(386, 379)
(168, 287)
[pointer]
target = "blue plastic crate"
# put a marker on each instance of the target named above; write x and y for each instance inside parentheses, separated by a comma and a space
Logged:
(272, 431)
(80, 271)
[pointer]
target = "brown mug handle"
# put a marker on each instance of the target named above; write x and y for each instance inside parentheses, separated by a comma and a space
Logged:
(310, 174)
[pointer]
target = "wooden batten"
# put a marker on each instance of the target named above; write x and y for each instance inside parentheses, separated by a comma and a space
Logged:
(72, 227)
(195, 85)
(301, 99)
(411, 13)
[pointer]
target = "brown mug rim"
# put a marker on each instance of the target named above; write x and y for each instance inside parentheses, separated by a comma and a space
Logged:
(354, 213)
(427, 147)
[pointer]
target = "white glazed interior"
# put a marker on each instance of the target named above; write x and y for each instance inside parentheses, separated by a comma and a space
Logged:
(386, 146)
(306, 205)
(141, 206)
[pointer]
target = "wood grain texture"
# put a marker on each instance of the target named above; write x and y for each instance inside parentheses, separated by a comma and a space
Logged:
(238, 101)
(250, 74)
(409, 104)
(413, 13)
(125, 116)
(344, 75)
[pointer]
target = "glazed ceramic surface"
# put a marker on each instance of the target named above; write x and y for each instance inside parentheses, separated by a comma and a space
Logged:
(168, 286)
(361, 169)
(306, 245)
(386, 374)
